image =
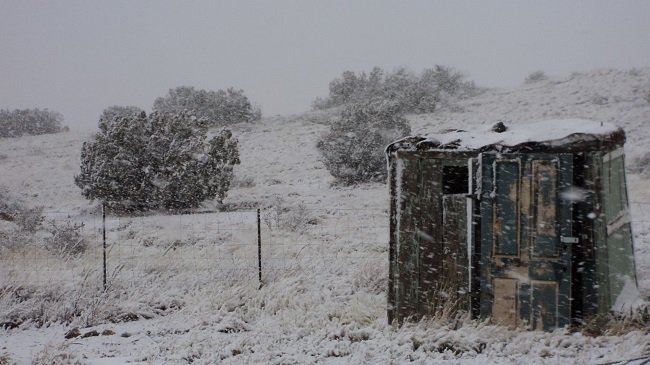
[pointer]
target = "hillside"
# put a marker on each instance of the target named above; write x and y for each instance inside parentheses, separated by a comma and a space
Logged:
(325, 302)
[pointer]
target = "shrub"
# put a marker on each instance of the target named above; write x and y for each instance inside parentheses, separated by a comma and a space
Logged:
(21, 122)
(66, 239)
(410, 92)
(14, 239)
(535, 77)
(221, 107)
(29, 219)
(157, 161)
(116, 111)
(641, 164)
(18, 223)
(353, 150)
(14, 210)
(281, 216)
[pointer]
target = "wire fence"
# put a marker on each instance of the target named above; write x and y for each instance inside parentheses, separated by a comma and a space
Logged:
(207, 245)
(226, 245)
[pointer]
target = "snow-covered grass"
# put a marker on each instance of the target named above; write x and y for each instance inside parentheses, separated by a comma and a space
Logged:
(184, 289)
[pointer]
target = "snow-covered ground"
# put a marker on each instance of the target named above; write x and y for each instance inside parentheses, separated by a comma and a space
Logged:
(184, 289)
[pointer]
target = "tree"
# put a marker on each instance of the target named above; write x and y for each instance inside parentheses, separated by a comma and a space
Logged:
(221, 107)
(401, 87)
(353, 150)
(117, 111)
(342, 90)
(143, 162)
(412, 93)
(21, 122)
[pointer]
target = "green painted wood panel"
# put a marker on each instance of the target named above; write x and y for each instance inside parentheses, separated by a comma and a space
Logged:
(619, 268)
(544, 208)
(545, 305)
(506, 207)
(540, 218)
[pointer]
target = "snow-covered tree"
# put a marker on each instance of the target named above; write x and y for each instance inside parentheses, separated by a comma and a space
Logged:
(221, 107)
(21, 122)
(411, 92)
(161, 160)
(117, 111)
(353, 150)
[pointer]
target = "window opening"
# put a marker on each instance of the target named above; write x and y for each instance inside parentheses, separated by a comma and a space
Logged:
(455, 179)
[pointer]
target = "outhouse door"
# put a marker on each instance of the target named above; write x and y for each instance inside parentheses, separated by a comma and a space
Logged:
(526, 238)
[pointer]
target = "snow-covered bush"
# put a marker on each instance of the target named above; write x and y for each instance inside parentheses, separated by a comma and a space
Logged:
(14, 210)
(640, 164)
(279, 215)
(21, 122)
(66, 239)
(535, 77)
(353, 150)
(221, 107)
(117, 111)
(18, 222)
(29, 219)
(410, 92)
(52, 355)
(161, 160)
(5, 359)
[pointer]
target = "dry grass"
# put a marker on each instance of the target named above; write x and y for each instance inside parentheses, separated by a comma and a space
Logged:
(617, 325)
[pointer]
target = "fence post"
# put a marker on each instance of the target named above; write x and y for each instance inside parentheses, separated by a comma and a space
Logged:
(104, 239)
(259, 247)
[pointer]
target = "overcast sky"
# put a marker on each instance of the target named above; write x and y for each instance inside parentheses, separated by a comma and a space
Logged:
(78, 57)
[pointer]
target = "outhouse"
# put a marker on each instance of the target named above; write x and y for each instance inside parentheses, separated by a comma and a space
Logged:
(527, 225)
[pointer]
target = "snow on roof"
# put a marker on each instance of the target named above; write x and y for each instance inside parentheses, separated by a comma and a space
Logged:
(558, 132)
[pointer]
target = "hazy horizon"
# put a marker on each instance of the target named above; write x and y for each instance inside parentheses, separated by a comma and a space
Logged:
(78, 57)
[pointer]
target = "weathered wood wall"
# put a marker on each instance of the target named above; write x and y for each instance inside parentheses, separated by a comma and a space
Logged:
(428, 251)
(538, 258)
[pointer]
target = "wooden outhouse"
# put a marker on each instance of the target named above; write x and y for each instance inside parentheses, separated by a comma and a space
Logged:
(527, 225)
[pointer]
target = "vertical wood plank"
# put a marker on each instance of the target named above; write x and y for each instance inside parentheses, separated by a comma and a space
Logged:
(429, 233)
(455, 273)
(393, 237)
